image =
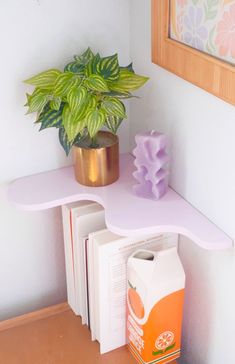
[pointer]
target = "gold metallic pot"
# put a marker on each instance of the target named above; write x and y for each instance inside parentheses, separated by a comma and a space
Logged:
(98, 166)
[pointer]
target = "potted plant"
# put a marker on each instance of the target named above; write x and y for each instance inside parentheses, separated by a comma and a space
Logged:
(80, 101)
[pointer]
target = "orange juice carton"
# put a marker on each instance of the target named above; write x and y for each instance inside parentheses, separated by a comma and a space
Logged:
(155, 295)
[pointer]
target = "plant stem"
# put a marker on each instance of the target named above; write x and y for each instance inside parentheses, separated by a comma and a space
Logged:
(94, 142)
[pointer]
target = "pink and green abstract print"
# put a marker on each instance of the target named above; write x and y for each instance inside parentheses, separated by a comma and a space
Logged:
(207, 25)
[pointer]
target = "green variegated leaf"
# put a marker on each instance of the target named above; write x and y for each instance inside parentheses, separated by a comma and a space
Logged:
(91, 65)
(71, 124)
(108, 68)
(45, 80)
(64, 140)
(113, 123)
(96, 83)
(128, 81)
(28, 96)
(80, 101)
(76, 97)
(85, 57)
(55, 103)
(37, 101)
(81, 111)
(92, 102)
(113, 106)
(119, 95)
(75, 67)
(81, 125)
(129, 68)
(50, 118)
(64, 83)
(95, 119)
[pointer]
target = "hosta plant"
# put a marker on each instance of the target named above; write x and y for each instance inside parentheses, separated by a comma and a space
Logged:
(83, 98)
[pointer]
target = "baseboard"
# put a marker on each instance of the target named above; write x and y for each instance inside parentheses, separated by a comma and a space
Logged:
(33, 316)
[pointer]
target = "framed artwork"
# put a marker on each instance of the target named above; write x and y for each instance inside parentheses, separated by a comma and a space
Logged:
(195, 39)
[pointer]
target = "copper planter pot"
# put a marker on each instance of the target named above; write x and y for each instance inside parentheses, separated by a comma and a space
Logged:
(98, 166)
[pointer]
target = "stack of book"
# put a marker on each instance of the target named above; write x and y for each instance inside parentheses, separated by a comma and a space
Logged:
(96, 270)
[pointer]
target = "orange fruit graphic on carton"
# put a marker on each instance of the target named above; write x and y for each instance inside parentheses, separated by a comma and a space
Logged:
(135, 302)
(164, 340)
(154, 312)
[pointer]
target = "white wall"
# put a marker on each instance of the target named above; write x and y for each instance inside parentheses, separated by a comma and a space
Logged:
(37, 35)
(201, 129)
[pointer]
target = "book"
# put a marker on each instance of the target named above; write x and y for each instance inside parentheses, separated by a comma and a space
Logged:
(69, 250)
(92, 259)
(72, 239)
(91, 218)
(107, 275)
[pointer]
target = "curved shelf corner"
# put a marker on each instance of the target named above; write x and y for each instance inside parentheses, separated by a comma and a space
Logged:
(126, 214)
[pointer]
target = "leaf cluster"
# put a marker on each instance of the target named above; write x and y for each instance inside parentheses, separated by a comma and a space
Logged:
(83, 98)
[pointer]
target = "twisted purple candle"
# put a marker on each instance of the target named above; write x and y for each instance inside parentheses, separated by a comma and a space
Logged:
(151, 163)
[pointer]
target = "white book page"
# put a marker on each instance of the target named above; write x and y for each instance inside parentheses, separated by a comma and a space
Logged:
(69, 249)
(89, 219)
(112, 285)
(86, 282)
(90, 267)
(93, 278)
(83, 208)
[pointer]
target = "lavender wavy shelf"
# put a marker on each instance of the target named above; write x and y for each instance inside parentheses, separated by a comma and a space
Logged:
(126, 214)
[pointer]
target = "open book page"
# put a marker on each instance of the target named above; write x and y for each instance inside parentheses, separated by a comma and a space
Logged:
(111, 284)
(67, 216)
(90, 219)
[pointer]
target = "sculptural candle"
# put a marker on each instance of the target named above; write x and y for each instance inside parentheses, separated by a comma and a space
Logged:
(151, 162)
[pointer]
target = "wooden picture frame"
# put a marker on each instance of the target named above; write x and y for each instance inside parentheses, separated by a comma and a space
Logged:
(201, 69)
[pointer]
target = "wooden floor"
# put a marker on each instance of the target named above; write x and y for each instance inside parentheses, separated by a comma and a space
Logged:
(53, 336)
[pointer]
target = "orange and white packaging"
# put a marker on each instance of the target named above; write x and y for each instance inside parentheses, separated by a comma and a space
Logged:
(155, 296)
